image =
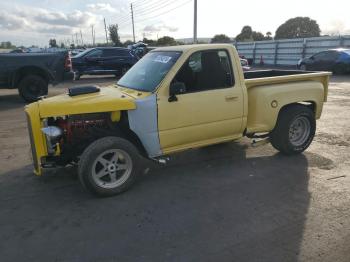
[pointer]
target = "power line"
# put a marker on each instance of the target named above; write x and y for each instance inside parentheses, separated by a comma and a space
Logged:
(165, 12)
(154, 5)
(127, 17)
(137, 2)
(152, 9)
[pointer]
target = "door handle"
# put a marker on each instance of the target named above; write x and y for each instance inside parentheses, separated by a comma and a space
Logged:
(231, 97)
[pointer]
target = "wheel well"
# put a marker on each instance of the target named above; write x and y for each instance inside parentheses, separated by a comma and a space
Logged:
(131, 135)
(309, 104)
(29, 70)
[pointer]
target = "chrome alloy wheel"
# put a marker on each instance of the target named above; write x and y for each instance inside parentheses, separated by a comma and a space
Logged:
(299, 131)
(111, 168)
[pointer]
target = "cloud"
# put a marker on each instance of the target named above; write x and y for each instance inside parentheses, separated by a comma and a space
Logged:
(102, 7)
(160, 27)
(336, 27)
(151, 29)
(42, 21)
(75, 19)
(57, 30)
(12, 22)
(170, 28)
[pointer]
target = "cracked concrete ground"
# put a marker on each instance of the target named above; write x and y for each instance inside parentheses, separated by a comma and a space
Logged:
(229, 202)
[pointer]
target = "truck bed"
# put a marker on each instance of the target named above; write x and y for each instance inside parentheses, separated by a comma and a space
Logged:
(270, 77)
(265, 86)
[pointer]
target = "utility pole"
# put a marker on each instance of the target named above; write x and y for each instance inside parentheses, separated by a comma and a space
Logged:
(104, 20)
(133, 24)
(195, 23)
(81, 37)
(92, 34)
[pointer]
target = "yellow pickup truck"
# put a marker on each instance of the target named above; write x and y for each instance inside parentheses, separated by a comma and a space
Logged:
(173, 99)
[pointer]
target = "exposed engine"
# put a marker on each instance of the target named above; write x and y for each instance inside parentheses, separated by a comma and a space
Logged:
(77, 128)
(79, 131)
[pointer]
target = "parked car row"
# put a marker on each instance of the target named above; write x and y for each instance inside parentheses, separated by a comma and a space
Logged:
(103, 61)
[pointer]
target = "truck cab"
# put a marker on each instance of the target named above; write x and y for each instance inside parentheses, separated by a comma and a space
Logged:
(173, 99)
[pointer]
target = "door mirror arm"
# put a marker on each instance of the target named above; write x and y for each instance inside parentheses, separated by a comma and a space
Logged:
(176, 88)
(172, 98)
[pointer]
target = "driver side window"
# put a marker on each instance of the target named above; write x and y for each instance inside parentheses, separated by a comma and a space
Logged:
(206, 70)
(94, 53)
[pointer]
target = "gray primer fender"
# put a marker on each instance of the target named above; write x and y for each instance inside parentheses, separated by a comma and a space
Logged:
(144, 122)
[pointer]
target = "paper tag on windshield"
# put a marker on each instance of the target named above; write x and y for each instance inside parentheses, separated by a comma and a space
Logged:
(162, 59)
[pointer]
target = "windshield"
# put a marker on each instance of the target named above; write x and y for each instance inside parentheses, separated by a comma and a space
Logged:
(146, 74)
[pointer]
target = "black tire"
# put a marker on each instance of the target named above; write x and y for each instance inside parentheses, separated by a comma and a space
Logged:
(90, 162)
(32, 87)
(339, 69)
(77, 76)
(123, 71)
(303, 67)
(285, 135)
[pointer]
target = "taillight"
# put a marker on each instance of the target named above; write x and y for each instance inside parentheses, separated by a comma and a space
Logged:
(68, 63)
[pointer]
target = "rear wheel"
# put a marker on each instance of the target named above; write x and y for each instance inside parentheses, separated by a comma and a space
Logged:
(295, 130)
(123, 71)
(32, 87)
(303, 67)
(109, 166)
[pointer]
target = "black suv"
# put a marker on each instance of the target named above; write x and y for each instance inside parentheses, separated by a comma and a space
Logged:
(103, 61)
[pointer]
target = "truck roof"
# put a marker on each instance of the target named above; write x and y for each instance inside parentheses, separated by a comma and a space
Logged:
(184, 48)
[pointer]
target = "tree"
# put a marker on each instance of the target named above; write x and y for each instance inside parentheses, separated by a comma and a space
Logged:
(221, 39)
(53, 43)
(166, 41)
(268, 36)
(257, 36)
(149, 41)
(7, 45)
(246, 34)
(298, 27)
(114, 35)
(127, 42)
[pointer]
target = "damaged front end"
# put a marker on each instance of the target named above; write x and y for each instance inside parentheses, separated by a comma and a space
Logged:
(58, 141)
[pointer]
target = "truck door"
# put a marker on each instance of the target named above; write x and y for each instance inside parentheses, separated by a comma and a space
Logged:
(210, 110)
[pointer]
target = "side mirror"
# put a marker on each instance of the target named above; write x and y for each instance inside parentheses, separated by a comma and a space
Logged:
(312, 58)
(176, 89)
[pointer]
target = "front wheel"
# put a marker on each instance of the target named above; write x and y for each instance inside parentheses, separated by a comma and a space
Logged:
(109, 166)
(339, 69)
(32, 87)
(295, 130)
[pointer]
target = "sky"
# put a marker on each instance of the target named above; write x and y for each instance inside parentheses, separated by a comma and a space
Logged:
(34, 22)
